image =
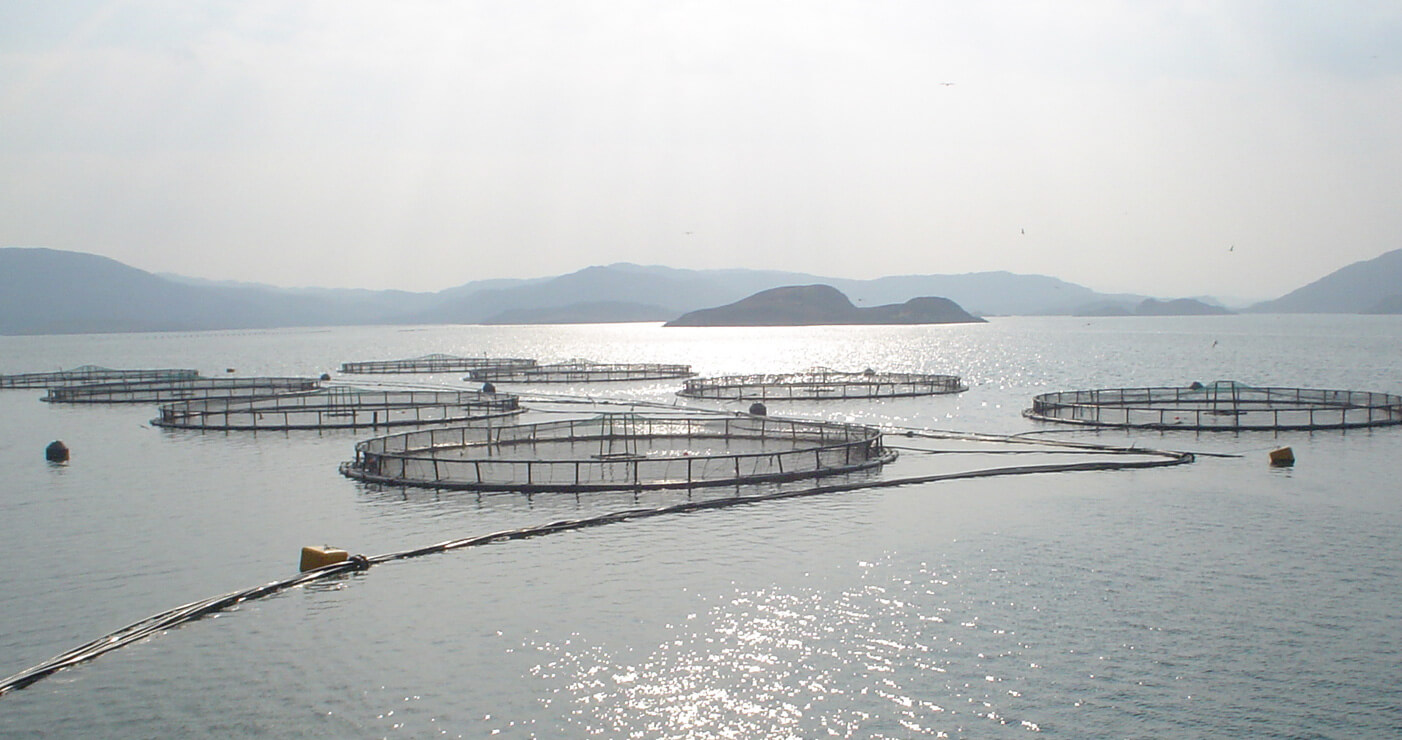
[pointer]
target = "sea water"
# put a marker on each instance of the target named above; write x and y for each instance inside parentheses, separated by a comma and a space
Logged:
(1220, 599)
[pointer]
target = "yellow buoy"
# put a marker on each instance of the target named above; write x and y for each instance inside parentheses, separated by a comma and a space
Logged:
(315, 557)
(1282, 457)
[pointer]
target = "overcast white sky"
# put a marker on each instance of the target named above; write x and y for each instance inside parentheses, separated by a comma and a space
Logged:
(1240, 149)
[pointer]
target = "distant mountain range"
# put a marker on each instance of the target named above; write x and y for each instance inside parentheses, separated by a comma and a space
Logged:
(46, 291)
(1154, 307)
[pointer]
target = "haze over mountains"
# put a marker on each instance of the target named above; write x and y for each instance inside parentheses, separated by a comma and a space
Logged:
(1370, 286)
(46, 291)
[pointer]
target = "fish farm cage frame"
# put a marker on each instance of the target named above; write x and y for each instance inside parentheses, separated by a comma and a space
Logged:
(820, 383)
(617, 452)
(434, 363)
(90, 374)
(338, 408)
(582, 371)
(1220, 406)
(181, 389)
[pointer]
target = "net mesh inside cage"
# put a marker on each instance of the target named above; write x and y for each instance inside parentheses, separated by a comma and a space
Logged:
(179, 389)
(582, 371)
(821, 383)
(337, 408)
(434, 363)
(1223, 405)
(618, 451)
(90, 374)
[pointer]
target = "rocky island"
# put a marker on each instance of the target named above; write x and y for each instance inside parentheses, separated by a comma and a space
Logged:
(819, 305)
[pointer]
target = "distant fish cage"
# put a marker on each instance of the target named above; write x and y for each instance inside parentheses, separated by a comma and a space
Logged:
(180, 389)
(89, 374)
(337, 408)
(1224, 405)
(435, 363)
(820, 383)
(618, 451)
(581, 371)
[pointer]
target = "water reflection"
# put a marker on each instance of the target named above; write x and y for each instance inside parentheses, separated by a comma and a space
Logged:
(1195, 600)
(891, 656)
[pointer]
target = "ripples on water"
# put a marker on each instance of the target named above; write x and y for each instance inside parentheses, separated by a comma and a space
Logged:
(1219, 622)
(1219, 599)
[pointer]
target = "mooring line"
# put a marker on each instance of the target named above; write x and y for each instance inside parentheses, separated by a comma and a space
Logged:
(195, 610)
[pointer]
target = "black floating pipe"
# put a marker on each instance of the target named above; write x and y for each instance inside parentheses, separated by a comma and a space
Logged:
(166, 620)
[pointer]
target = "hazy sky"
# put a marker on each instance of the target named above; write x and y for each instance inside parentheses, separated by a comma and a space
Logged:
(1172, 148)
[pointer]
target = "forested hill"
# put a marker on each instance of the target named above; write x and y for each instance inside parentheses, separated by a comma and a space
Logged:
(822, 305)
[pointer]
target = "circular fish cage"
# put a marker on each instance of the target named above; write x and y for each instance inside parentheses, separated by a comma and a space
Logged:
(581, 371)
(337, 408)
(180, 389)
(618, 451)
(820, 383)
(435, 363)
(89, 374)
(1224, 405)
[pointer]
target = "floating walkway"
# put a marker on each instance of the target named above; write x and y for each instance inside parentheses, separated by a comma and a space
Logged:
(338, 408)
(581, 371)
(1220, 406)
(89, 374)
(618, 451)
(435, 363)
(180, 389)
(820, 383)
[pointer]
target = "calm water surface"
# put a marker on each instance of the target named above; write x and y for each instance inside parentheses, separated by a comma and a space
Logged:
(1220, 599)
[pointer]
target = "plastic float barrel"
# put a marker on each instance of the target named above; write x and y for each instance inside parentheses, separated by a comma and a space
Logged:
(315, 557)
(758, 409)
(1282, 457)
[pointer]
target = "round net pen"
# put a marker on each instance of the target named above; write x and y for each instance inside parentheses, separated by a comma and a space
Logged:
(338, 408)
(90, 374)
(581, 371)
(180, 389)
(435, 363)
(1224, 405)
(619, 451)
(820, 383)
